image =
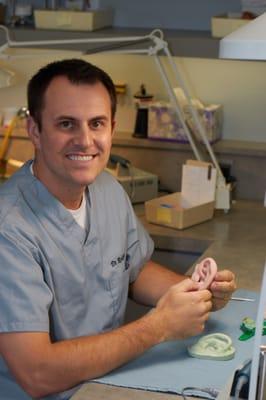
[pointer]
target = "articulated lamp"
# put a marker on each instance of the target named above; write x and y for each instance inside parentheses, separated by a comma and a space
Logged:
(249, 43)
(154, 44)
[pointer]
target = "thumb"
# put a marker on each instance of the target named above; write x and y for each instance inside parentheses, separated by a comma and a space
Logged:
(187, 285)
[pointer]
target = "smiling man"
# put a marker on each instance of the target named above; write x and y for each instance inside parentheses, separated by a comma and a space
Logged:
(72, 250)
(77, 123)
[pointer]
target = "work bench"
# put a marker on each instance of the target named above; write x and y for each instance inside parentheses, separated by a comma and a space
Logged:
(236, 240)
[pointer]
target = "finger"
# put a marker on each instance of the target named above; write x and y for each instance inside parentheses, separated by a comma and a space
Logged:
(224, 275)
(208, 306)
(221, 297)
(223, 287)
(218, 304)
(206, 316)
(203, 297)
(204, 294)
(205, 309)
(187, 285)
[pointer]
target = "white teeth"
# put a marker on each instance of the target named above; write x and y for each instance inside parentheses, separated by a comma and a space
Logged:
(80, 158)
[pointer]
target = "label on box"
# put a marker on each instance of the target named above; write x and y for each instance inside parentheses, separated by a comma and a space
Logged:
(163, 215)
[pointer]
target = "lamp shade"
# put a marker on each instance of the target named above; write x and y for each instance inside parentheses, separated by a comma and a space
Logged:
(247, 42)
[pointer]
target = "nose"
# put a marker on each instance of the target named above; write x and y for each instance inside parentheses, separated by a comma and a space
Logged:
(84, 136)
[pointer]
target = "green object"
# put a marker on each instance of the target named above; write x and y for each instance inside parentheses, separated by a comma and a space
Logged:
(248, 326)
(216, 346)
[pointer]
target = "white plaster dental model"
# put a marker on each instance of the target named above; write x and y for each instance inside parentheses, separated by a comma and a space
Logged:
(216, 346)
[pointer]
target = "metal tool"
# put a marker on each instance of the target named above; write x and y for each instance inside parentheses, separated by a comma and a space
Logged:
(241, 298)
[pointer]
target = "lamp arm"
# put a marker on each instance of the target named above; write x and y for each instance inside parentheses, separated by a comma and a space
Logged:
(174, 101)
(158, 44)
(118, 39)
(194, 114)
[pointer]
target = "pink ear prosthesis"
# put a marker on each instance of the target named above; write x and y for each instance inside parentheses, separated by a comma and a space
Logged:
(205, 272)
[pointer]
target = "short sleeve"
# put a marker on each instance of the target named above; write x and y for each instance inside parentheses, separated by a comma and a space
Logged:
(25, 298)
(140, 244)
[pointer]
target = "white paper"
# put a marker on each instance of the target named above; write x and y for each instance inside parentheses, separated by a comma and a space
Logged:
(198, 185)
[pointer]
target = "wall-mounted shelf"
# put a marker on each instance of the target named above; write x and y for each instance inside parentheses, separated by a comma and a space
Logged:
(183, 43)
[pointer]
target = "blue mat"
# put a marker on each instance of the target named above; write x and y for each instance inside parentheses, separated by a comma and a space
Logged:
(168, 367)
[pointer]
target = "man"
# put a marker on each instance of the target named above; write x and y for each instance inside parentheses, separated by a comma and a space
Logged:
(72, 250)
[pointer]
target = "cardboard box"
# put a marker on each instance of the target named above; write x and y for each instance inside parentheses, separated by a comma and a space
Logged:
(211, 118)
(73, 20)
(163, 123)
(193, 205)
(222, 25)
(167, 211)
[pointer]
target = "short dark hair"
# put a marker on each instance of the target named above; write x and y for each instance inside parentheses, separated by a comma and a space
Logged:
(77, 71)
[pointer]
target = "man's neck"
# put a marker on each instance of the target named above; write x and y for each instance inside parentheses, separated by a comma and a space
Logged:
(71, 197)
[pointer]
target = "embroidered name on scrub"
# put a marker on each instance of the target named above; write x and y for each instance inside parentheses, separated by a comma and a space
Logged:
(119, 260)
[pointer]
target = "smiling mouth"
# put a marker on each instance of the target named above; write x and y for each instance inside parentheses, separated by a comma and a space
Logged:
(79, 158)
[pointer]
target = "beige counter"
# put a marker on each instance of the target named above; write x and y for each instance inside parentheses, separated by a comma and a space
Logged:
(236, 240)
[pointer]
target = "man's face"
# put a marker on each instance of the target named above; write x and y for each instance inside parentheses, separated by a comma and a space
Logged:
(74, 144)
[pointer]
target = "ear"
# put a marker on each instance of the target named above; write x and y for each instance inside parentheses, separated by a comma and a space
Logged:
(33, 132)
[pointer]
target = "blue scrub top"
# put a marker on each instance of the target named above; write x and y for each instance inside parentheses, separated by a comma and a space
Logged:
(54, 276)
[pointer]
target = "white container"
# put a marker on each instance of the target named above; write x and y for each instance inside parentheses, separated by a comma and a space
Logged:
(23, 10)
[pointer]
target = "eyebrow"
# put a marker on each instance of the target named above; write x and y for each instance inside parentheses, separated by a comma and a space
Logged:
(69, 117)
(61, 117)
(99, 117)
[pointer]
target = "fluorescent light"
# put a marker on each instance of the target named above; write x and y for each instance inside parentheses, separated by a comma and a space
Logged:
(247, 42)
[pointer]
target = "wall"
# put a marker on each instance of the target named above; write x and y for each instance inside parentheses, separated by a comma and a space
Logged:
(171, 14)
(240, 86)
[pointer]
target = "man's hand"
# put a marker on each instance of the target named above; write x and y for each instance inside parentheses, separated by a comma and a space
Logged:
(42, 367)
(222, 287)
(183, 310)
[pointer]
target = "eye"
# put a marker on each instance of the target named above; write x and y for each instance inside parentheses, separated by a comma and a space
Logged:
(97, 123)
(66, 124)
